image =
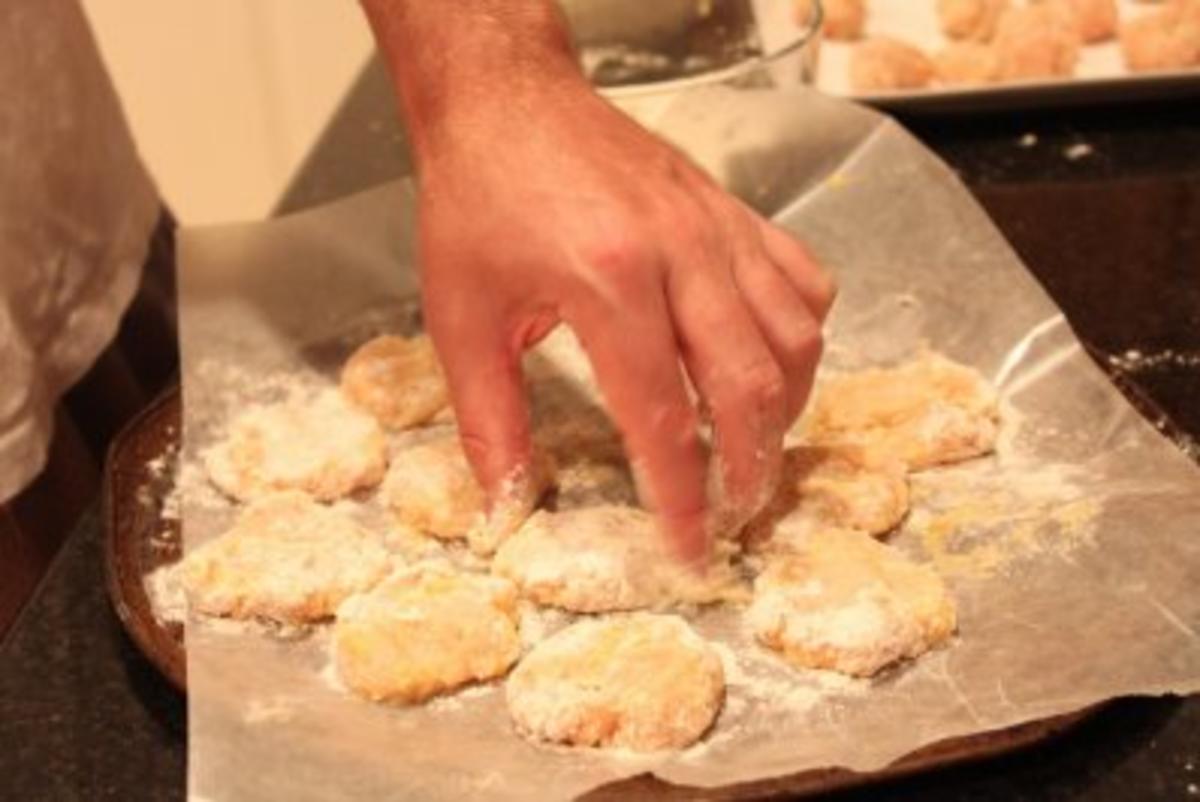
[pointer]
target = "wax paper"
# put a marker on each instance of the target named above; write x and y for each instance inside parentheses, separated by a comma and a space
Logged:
(1073, 554)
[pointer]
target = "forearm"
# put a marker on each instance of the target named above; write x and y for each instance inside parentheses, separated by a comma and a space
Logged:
(450, 58)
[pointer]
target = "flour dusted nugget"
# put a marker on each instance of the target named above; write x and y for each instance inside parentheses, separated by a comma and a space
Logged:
(883, 63)
(1167, 39)
(320, 445)
(966, 64)
(1039, 41)
(843, 19)
(1096, 20)
(287, 558)
(848, 603)
(925, 412)
(970, 19)
(396, 379)
(599, 559)
(642, 681)
(425, 631)
(431, 488)
(838, 487)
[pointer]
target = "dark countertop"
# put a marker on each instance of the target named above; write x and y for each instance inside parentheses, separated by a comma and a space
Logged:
(1114, 234)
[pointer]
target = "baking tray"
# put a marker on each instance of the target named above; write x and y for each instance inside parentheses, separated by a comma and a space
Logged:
(1100, 77)
(139, 539)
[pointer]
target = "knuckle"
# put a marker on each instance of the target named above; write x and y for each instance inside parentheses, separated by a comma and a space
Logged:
(804, 341)
(478, 448)
(492, 452)
(619, 257)
(673, 423)
(760, 384)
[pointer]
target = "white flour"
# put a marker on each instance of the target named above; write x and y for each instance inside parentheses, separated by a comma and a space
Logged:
(168, 602)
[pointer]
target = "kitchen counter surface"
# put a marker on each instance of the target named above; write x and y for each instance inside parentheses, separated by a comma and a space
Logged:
(1104, 206)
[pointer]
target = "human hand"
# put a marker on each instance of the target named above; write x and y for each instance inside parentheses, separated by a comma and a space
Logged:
(540, 203)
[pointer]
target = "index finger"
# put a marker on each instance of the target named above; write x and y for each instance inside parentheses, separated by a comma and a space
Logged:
(636, 360)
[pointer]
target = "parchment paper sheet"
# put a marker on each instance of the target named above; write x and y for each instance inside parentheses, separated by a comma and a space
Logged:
(918, 262)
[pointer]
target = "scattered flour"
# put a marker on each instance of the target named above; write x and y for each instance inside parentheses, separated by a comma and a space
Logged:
(454, 701)
(270, 710)
(165, 592)
(1077, 151)
(977, 520)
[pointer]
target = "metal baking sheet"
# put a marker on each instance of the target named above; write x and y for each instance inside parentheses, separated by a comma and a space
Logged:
(1100, 76)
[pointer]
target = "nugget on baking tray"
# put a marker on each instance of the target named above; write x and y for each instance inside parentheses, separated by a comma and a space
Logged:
(1164, 39)
(431, 488)
(287, 559)
(966, 64)
(842, 20)
(396, 379)
(1095, 20)
(1038, 41)
(823, 487)
(425, 631)
(925, 412)
(642, 681)
(970, 19)
(321, 445)
(605, 558)
(882, 63)
(848, 603)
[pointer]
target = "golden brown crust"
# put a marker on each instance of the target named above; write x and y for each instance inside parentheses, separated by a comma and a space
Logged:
(423, 632)
(845, 602)
(397, 379)
(287, 558)
(643, 682)
(929, 411)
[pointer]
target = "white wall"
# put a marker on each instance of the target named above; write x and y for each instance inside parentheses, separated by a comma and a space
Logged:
(225, 97)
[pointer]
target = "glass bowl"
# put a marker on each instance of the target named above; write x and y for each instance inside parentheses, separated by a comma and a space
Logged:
(637, 50)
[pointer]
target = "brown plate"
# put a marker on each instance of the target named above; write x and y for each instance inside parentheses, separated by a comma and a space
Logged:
(138, 540)
(137, 537)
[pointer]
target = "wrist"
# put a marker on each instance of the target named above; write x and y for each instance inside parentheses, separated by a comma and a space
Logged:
(455, 64)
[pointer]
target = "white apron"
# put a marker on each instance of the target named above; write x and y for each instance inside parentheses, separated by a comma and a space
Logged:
(76, 212)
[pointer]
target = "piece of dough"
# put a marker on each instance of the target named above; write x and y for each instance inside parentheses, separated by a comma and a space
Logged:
(1038, 41)
(1167, 39)
(431, 488)
(970, 19)
(321, 445)
(831, 487)
(1096, 20)
(843, 20)
(398, 380)
(849, 603)
(599, 559)
(287, 558)
(425, 631)
(926, 412)
(884, 63)
(643, 682)
(966, 64)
